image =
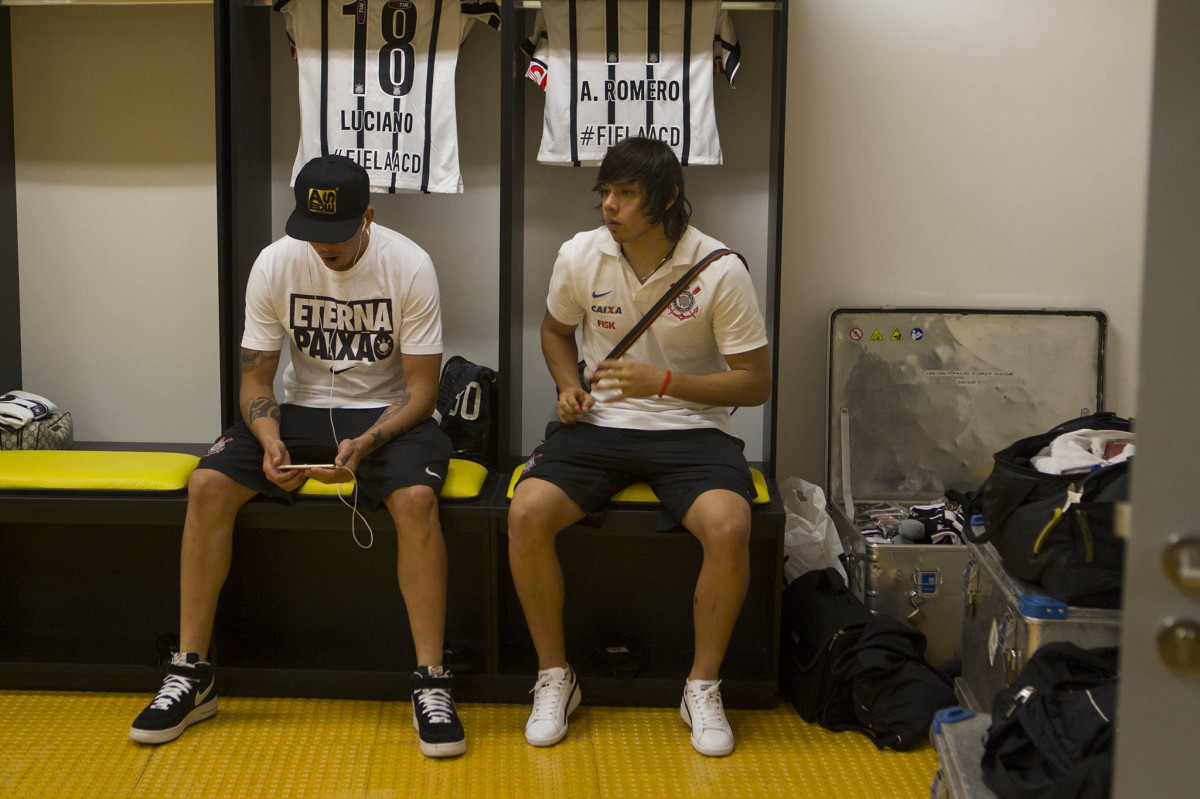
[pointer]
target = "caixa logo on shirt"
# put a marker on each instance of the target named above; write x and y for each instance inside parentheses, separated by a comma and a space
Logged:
(331, 330)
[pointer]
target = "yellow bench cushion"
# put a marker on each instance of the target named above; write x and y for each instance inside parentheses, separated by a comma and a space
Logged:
(641, 492)
(464, 480)
(95, 470)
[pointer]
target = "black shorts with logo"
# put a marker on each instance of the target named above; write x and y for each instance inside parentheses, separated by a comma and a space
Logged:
(591, 463)
(420, 456)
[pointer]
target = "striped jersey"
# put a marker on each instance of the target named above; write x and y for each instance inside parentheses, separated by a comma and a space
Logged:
(377, 85)
(613, 69)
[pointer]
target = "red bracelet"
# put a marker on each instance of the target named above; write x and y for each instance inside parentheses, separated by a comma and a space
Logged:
(666, 381)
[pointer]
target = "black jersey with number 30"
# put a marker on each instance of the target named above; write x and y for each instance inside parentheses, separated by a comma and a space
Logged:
(377, 85)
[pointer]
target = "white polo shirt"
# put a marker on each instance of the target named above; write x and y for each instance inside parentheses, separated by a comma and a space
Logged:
(593, 286)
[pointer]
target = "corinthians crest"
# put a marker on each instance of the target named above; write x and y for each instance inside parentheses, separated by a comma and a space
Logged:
(684, 305)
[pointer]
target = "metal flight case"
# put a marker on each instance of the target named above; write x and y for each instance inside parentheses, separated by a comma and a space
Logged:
(957, 735)
(1007, 620)
(919, 399)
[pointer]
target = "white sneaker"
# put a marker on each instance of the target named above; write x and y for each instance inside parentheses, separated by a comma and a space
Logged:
(555, 697)
(701, 708)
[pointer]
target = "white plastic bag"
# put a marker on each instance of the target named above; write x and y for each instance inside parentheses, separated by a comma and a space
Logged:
(810, 540)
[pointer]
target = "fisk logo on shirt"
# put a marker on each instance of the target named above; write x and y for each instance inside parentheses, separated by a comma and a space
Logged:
(322, 201)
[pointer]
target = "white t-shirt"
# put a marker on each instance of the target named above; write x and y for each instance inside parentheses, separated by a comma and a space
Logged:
(593, 286)
(377, 85)
(624, 68)
(345, 330)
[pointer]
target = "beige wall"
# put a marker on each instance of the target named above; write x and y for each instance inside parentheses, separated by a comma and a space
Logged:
(963, 154)
(116, 218)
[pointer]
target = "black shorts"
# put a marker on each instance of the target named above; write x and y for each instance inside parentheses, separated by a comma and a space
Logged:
(420, 456)
(591, 463)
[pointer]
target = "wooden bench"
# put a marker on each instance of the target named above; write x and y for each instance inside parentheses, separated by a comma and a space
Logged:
(89, 587)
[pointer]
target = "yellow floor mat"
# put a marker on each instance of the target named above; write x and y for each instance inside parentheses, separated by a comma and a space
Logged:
(55, 744)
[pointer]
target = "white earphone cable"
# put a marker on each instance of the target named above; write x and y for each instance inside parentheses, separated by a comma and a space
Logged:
(355, 513)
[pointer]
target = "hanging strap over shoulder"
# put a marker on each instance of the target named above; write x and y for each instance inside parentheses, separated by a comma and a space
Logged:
(661, 305)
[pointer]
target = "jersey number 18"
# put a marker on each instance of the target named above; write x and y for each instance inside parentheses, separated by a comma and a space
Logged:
(398, 25)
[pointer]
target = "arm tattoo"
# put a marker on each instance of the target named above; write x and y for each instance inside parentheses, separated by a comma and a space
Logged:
(253, 359)
(258, 407)
(378, 437)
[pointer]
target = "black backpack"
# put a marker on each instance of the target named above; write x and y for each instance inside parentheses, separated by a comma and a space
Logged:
(467, 401)
(1052, 730)
(1075, 556)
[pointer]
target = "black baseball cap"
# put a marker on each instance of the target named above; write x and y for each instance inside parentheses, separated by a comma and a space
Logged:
(332, 194)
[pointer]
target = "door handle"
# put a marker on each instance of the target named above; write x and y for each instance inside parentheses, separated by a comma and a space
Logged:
(1181, 563)
(1178, 646)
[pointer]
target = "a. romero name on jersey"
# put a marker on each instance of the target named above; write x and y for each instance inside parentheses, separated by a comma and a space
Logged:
(638, 91)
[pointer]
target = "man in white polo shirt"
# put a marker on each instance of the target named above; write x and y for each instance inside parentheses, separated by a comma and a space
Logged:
(660, 413)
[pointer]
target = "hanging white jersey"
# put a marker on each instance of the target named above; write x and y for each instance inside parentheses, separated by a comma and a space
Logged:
(377, 85)
(614, 69)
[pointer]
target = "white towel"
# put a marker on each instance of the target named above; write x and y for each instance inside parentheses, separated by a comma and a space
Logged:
(19, 408)
(1084, 450)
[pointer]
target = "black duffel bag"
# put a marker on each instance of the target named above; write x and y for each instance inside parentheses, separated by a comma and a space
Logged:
(1055, 531)
(1052, 730)
(847, 669)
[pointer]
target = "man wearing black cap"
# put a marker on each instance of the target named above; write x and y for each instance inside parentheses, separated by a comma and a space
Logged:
(358, 305)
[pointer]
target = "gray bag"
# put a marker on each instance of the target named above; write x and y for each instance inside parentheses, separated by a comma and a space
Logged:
(56, 431)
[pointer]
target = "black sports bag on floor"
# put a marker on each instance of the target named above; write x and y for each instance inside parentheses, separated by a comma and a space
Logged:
(848, 669)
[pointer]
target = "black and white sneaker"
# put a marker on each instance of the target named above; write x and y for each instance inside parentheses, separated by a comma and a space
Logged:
(704, 712)
(434, 717)
(187, 696)
(555, 697)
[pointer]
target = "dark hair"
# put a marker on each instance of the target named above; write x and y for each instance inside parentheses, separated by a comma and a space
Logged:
(651, 165)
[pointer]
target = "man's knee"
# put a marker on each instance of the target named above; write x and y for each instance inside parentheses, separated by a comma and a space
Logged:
(412, 502)
(530, 521)
(213, 491)
(725, 536)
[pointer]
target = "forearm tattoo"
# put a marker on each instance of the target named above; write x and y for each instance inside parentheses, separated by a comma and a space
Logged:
(378, 436)
(259, 407)
(253, 359)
